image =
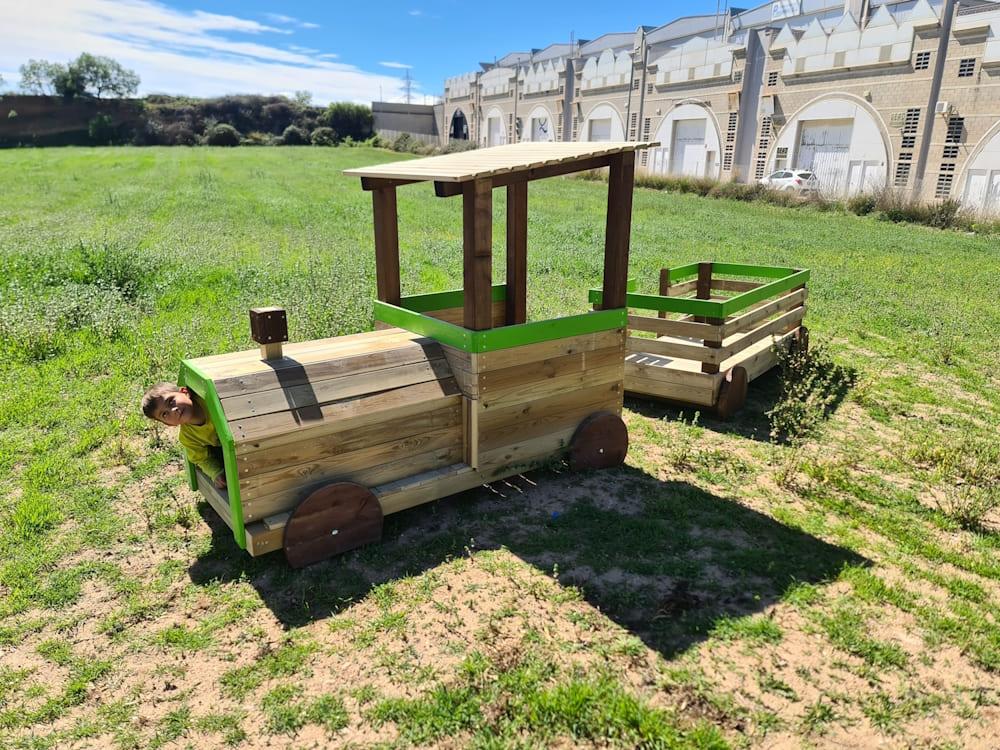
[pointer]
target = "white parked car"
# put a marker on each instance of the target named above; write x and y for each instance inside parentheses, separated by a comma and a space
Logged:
(798, 180)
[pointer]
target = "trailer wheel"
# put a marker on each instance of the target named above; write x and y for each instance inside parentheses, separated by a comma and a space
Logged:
(333, 519)
(600, 442)
(733, 393)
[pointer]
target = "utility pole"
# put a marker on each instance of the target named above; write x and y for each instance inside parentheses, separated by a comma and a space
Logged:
(409, 87)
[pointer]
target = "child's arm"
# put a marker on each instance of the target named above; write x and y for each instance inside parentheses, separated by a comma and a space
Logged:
(204, 458)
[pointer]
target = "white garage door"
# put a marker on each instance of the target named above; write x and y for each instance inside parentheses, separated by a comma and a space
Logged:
(494, 132)
(824, 148)
(982, 191)
(540, 129)
(688, 148)
(600, 130)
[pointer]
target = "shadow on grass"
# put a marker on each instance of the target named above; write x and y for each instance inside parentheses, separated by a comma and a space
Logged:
(665, 560)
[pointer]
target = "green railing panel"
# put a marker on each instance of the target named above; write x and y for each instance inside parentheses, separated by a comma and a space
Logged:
(687, 305)
(507, 337)
(444, 300)
(745, 269)
(744, 300)
(425, 325)
(204, 386)
(681, 272)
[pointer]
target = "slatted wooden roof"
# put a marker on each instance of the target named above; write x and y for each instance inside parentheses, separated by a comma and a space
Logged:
(497, 160)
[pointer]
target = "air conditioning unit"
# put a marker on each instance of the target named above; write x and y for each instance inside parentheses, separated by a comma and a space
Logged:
(942, 108)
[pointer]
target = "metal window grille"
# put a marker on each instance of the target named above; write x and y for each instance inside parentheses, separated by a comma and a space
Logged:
(902, 174)
(738, 76)
(576, 125)
(943, 187)
(906, 156)
(782, 153)
(562, 90)
(909, 141)
(647, 123)
(967, 67)
(727, 159)
(644, 158)
(772, 78)
(577, 91)
(649, 88)
(559, 120)
(911, 120)
(922, 61)
(633, 125)
(635, 84)
(762, 144)
(956, 126)
(731, 127)
(950, 152)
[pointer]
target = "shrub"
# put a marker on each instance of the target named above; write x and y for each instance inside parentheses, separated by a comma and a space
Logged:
(942, 215)
(354, 120)
(179, 134)
(403, 142)
(256, 138)
(148, 133)
(222, 134)
(324, 137)
(862, 204)
(454, 147)
(102, 130)
(294, 136)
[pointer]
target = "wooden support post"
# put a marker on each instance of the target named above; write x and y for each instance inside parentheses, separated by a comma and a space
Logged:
(269, 328)
(618, 229)
(386, 244)
(704, 291)
(517, 253)
(477, 203)
(664, 287)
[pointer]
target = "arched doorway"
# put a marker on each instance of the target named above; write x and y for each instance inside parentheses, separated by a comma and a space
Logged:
(603, 123)
(981, 190)
(540, 126)
(689, 143)
(459, 129)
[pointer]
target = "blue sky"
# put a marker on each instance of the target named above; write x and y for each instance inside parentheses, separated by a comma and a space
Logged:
(339, 51)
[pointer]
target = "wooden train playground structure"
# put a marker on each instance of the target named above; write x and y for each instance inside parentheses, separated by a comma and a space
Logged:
(453, 390)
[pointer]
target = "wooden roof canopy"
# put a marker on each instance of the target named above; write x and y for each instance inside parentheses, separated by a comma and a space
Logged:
(473, 175)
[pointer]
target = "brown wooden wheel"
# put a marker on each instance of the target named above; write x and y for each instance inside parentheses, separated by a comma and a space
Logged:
(600, 442)
(333, 519)
(800, 340)
(733, 393)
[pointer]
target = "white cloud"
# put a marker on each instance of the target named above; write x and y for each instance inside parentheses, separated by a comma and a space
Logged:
(174, 51)
(290, 21)
(399, 65)
(416, 12)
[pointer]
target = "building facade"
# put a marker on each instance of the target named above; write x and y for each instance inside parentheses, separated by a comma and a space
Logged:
(864, 93)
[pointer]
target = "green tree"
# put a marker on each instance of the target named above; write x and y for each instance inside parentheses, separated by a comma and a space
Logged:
(354, 120)
(99, 75)
(39, 76)
(303, 98)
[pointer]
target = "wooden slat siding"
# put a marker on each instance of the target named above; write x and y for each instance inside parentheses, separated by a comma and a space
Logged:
(456, 315)
(492, 382)
(450, 189)
(261, 540)
(423, 488)
(525, 455)
(748, 320)
(517, 253)
(347, 464)
(543, 388)
(777, 327)
(477, 244)
(404, 353)
(261, 506)
(678, 349)
(218, 499)
(519, 355)
(219, 367)
(646, 366)
(334, 417)
(386, 244)
(268, 457)
(653, 386)
(499, 427)
(463, 365)
(682, 289)
(307, 397)
(686, 328)
(704, 291)
(760, 357)
(664, 288)
(471, 432)
(731, 285)
(618, 229)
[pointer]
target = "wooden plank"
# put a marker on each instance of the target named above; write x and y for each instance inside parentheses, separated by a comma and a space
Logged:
(731, 285)
(268, 457)
(685, 328)
(704, 291)
(542, 389)
(527, 375)
(618, 229)
(347, 464)
(762, 312)
(661, 368)
(522, 456)
(657, 388)
(386, 244)
(665, 347)
(760, 357)
(502, 358)
(517, 253)
(218, 499)
(405, 353)
(778, 326)
(470, 434)
(262, 540)
(261, 506)
(456, 315)
(518, 422)
(423, 488)
(477, 250)
(394, 404)
(664, 288)
(307, 397)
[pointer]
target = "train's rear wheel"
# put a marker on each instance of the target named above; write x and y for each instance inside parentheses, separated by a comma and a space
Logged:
(600, 442)
(333, 519)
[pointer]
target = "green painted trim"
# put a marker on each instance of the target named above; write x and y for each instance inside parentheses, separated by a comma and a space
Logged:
(504, 337)
(681, 272)
(204, 386)
(687, 305)
(744, 269)
(444, 300)
(192, 475)
(741, 301)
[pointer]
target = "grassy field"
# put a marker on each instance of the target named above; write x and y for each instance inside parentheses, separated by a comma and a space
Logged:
(720, 590)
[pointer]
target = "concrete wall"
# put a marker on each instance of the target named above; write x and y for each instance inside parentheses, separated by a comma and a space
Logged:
(419, 120)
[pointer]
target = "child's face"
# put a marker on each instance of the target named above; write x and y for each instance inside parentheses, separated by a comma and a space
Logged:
(175, 408)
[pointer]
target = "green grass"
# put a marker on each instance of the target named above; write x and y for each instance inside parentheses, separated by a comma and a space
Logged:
(630, 594)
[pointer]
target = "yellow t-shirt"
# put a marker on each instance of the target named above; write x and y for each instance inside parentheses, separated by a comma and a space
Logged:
(199, 441)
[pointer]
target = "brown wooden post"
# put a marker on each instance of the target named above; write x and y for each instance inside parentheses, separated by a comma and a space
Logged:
(386, 244)
(703, 290)
(664, 287)
(517, 253)
(477, 204)
(618, 229)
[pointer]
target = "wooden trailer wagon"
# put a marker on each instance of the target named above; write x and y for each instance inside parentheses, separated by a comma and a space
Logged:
(322, 439)
(727, 320)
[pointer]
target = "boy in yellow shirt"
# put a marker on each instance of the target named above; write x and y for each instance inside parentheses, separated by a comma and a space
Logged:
(179, 407)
